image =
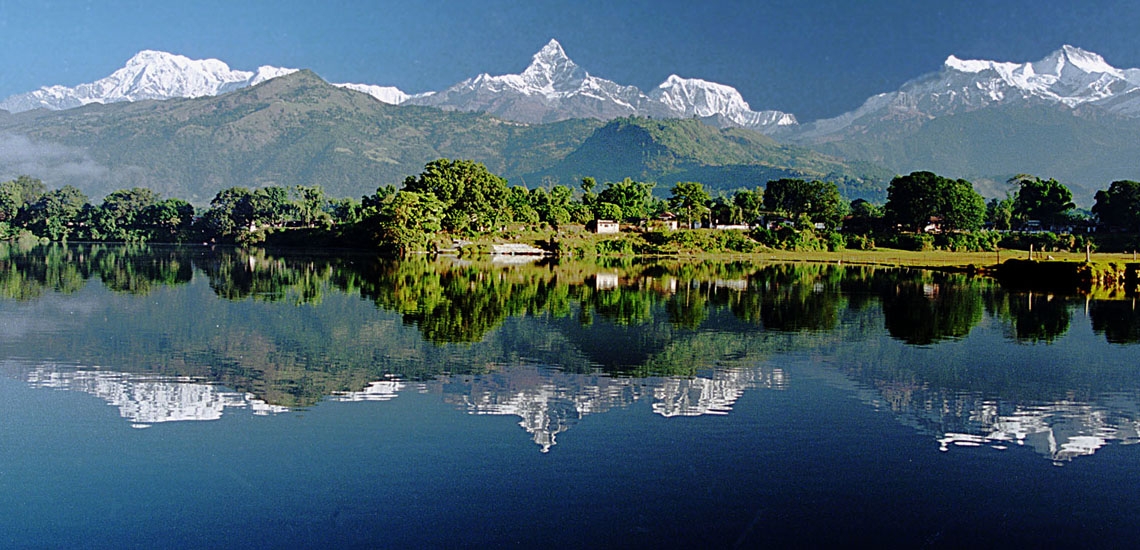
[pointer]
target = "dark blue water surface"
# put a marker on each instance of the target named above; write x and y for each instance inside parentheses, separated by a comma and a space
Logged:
(719, 406)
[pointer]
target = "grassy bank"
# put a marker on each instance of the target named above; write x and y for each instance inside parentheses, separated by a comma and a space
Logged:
(706, 244)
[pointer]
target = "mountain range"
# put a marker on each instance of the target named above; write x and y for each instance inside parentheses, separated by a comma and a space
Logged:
(1070, 116)
(553, 88)
(300, 130)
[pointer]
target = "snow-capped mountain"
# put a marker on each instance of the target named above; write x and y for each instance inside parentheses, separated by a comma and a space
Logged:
(148, 75)
(387, 94)
(688, 97)
(554, 88)
(1070, 76)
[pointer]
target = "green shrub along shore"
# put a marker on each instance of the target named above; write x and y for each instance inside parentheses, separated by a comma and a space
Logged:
(458, 206)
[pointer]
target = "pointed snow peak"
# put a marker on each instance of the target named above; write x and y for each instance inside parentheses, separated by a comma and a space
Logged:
(1087, 61)
(552, 50)
(1071, 57)
(551, 69)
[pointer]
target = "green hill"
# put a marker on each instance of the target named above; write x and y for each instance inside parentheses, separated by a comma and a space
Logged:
(300, 130)
(672, 150)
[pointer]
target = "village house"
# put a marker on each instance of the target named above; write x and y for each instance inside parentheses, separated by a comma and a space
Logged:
(605, 226)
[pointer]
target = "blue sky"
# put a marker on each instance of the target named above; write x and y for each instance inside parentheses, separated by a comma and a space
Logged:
(810, 58)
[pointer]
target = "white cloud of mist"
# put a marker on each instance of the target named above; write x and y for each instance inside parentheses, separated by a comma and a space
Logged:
(55, 164)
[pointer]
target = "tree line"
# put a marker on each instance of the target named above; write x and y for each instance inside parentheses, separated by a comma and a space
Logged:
(461, 198)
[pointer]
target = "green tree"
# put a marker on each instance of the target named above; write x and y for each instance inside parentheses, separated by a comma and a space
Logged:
(963, 208)
(554, 207)
(346, 211)
(793, 198)
(607, 211)
(750, 204)
(55, 214)
(17, 194)
(1119, 206)
(311, 203)
(519, 207)
(723, 211)
(118, 217)
(408, 221)
(864, 218)
(635, 198)
(916, 199)
(999, 213)
(473, 198)
(690, 201)
(168, 220)
(1045, 200)
(231, 213)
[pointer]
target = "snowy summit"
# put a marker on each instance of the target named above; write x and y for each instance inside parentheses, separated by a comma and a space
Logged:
(554, 88)
(1068, 76)
(148, 75)
(550, 89)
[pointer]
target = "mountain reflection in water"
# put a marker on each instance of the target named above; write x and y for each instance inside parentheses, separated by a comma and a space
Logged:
(192, 333)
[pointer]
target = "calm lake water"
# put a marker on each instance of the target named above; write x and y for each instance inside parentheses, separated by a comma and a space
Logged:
(189, 398)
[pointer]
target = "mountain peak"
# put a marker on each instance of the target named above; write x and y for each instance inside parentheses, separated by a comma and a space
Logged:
(552, 50)
(149, 74)
(552, 70)
(1087, 61)
(145, 57)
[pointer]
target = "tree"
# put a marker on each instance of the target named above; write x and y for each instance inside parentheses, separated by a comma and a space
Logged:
(167, 220)
(554, 207)
(793, 198)
(310, 205)
(915, 199)
(588, 196)
(864, 218)
(963, 209)
(519, 207)
(408, 221)
(750, 204)
(607, 211)
(1047, 201)
(473, 198)
(54, 215)
(999, 213)
(17, 194)
(635, 198)
(118, 217)
(1119, 206)
(689, 201)
(231, 212)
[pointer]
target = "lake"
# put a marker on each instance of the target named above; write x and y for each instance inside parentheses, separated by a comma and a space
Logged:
(198, 397)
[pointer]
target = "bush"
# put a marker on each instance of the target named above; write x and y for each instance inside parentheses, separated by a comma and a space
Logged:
(836, 242)
(766, 237)
(735, 240)
(980, 241)
(860, 242)
(613, 246)
(805, 241)
(918, 242)
(1046, 242)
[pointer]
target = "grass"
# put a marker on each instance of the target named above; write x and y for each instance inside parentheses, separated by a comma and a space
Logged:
(933, 258)
(880, 256)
